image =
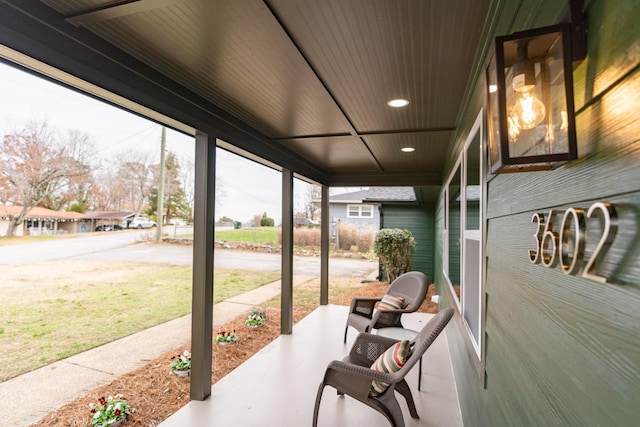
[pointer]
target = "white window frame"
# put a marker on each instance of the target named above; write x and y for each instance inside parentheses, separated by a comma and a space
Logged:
(360, 211)
(475, 235)
(447, 228)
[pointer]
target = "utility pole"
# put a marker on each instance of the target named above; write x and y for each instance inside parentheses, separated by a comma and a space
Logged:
(159, 214)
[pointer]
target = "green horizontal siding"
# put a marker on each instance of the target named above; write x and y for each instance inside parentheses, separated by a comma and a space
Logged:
(418, 220)
(561, 350)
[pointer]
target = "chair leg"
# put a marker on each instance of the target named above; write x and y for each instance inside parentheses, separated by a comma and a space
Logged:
(419, 373)
(403, 388)
(346, 329)
(391, 407)
(316, 408)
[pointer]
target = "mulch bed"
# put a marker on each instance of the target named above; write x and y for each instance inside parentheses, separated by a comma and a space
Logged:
(154, 393)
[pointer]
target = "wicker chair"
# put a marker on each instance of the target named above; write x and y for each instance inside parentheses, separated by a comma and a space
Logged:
(353, 376)
(411, 286)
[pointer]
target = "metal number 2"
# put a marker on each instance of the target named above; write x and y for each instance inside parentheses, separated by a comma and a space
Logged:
(610, 228)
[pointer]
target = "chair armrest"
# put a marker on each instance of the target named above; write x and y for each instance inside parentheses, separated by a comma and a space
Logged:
(364, 306)
(356, 379)
(389, 317)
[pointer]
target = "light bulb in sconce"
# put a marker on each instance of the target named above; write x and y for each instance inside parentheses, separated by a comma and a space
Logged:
(528, 111)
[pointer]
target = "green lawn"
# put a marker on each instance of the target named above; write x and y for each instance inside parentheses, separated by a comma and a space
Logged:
(54, 310)
(265, 235)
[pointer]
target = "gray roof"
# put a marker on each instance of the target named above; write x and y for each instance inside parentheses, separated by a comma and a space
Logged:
(377, 195)
(108, 215)
(391, 194)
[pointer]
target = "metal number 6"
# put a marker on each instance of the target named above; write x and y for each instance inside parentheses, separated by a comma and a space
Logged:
(549, 243)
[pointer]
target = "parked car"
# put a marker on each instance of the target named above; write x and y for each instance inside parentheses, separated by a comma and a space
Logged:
(107, 227)
(141, 222)
(305, 222)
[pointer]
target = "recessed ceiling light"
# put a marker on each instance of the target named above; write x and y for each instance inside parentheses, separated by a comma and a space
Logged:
(399, 102)
(408, 149)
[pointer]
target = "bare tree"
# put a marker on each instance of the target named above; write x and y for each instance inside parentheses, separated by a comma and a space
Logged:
(135, 176)
(75, 195)
(108, 193)
(36, 165)
(257, 218)
(188, 180)
(312, 198)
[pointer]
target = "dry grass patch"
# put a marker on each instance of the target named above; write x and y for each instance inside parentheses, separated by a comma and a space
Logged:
(54, 310)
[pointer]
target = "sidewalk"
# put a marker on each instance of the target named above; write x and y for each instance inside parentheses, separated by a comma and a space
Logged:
(29, 397)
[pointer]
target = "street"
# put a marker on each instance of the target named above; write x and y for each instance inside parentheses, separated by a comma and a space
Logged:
(131, 246)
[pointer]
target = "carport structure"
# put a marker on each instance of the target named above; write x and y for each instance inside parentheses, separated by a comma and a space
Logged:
(303, 85)
(107, 218)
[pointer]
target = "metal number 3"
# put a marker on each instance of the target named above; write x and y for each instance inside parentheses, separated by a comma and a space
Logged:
(535, 256)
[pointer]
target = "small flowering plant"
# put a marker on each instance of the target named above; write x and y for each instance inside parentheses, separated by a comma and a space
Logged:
(109, 411)
(226, 337)
(256, 317)
(181, 362)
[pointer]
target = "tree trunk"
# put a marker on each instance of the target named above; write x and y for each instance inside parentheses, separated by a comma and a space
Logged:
(11, 228)
(14, 222)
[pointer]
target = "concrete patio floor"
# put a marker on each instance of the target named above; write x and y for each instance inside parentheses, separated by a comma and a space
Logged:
(278, 385)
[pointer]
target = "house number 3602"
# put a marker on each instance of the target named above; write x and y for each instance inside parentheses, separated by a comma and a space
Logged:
(567, 245)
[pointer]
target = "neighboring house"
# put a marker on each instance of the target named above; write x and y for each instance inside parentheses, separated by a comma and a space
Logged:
(41, 221)
(362, 209)
(387, 207)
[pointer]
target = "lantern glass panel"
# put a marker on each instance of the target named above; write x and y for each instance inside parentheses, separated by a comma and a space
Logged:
(557, 110)
(537, 117)
(493, 116)
(530, 101)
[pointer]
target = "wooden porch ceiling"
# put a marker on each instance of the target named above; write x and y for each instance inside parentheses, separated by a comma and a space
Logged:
(303, 84)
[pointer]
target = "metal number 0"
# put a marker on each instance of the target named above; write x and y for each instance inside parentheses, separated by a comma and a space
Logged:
(572, 263)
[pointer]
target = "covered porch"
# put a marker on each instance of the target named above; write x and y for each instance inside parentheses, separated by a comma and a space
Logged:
(311, 89)
(278, 385)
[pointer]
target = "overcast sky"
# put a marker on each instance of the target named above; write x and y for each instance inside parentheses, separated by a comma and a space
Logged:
(247, 187)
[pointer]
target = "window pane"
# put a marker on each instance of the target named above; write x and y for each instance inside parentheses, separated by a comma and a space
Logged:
(454, 231)
(473, 189)
(472, 287)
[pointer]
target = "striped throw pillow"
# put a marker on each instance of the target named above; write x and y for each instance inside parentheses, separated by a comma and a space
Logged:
(389, 302)
(390, 361)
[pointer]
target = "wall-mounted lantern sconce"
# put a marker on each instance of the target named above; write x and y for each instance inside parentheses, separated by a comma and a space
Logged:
(530, 100)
